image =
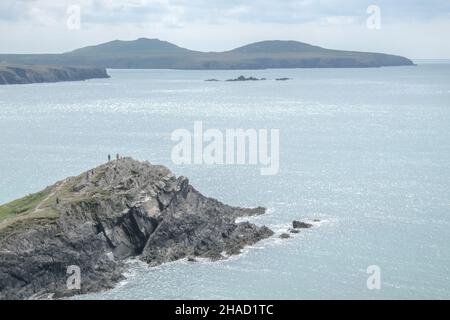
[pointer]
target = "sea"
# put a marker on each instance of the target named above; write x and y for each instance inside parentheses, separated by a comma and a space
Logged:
(364, 155)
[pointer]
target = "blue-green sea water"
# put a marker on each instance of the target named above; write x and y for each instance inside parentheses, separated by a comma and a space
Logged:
(366, 151)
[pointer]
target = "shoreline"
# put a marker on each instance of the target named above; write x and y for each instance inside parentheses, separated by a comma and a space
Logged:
(13, 74)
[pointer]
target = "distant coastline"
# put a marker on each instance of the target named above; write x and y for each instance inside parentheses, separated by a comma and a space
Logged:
(146, 53)
(26, 74)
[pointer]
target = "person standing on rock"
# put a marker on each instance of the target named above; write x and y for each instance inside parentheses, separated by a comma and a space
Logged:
(117, 156)
(109, 157)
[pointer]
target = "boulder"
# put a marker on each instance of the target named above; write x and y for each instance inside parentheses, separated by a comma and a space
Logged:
(301, 225)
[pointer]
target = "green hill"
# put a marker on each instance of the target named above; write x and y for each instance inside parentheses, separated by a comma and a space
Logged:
(156, 54)
(139, 46)
(276, 46)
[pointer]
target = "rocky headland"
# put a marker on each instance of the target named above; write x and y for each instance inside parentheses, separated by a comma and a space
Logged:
(121, 209)
(25, 74)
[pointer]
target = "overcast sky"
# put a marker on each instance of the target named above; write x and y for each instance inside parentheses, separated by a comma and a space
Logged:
(413, 28)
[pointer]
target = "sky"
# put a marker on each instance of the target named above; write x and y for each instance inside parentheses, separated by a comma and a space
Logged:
(413, 28)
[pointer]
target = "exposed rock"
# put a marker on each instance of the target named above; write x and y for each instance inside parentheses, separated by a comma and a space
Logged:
(300, 225)
(125, 208)
(283, 79)
(24, 74)
(284, 236)
(212, 80)
(294, 231)
(242, 78)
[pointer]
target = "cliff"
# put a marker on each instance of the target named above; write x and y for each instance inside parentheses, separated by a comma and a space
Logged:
(23, 74)
(121, 209)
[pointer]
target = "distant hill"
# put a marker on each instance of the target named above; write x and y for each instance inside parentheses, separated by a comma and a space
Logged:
(156, 54)
(139, 46)
(276, 46)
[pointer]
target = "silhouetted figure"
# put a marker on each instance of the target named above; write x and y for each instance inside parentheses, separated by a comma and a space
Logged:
(109, 157)
(57, 200)
(117, 156)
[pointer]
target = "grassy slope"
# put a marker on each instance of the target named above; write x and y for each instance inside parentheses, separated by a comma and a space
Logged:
(38, 209)
(22, 206)
(27, 205)
(42, 204)
(150, 54)
(22, 213)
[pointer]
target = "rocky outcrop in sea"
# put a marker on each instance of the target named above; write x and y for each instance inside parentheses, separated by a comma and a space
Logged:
(95, 221)
(243, 78)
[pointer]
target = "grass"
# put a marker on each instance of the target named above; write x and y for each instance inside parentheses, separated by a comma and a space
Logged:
(39, 209)
(41, 206)
(23, 205)
(21, 213)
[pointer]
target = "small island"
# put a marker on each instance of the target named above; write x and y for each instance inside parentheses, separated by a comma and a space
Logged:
(243, 78)
(28, 73)
(123, 208)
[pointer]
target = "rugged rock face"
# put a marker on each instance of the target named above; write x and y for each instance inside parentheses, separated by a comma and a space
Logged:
(23, 74)
(121, 209)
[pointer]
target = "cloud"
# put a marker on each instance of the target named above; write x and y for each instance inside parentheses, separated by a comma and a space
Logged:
(12, 11)
(223, 11)
(40, 25)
